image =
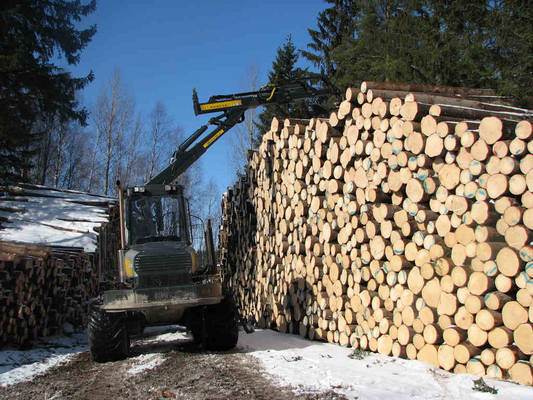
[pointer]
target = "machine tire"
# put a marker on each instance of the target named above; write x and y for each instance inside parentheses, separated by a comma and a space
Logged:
(108, 336)
(222, 331)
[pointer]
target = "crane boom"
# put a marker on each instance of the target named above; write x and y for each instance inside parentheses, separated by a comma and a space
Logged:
(233, 107)
(166, 274)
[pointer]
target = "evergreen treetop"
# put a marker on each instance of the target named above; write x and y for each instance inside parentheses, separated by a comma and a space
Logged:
(32, 88)
(335, 25)
(284, 71)
(474, 43)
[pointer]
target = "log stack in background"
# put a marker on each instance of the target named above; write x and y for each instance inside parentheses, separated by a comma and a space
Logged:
(402, 225)
(41, 289)
(44, 286)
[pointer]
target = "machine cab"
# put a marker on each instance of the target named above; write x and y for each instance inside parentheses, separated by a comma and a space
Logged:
(155, 214)
(156, 239)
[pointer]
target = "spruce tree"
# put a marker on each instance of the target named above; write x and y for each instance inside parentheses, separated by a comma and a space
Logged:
(32, 88)
(454, 38)
(473, 43)
(284, 71)
(420, 41)
(382, 46)
(512, 48)
(335, 25)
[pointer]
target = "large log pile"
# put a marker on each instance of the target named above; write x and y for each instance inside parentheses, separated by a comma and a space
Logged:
(41, 289)
(54, 246)
(401, 225)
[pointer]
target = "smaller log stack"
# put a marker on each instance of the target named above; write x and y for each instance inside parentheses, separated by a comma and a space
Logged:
(401, 224)
(53, 246)
(41, 289)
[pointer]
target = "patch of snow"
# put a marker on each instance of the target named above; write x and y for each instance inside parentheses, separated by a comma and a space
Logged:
(145, 362)
(65, 193)
(319, 367)
(158, 337)
(164, 334)
(159, 340)
(23, 365)
(33, 223)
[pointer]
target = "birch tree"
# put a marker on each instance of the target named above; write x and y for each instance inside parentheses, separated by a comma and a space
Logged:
(112, 118)
(61, 132)
(74, 159)
(159, 135)
(134, 159)
(45, 148)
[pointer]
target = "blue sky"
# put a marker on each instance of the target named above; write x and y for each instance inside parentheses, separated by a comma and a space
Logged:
(165, 48)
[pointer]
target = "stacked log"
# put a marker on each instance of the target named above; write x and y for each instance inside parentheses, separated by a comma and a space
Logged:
(401, 224)
(42, 288)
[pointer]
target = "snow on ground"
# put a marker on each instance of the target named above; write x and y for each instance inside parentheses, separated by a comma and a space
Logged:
(290, 360)
(22, 365)
(48, 208)
(318, 367)
(164, 334)
(145, 362)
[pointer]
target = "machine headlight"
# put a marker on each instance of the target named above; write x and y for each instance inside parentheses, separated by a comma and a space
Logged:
(128, 268)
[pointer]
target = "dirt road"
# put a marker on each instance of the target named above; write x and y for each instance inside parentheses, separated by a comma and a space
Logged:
(179, 371)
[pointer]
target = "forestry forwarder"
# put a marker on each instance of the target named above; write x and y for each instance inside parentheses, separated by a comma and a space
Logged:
(165, 277)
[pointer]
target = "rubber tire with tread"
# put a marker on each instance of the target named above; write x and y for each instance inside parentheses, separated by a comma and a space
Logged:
(108, 336)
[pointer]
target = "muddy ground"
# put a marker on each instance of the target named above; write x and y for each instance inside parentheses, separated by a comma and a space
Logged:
(186, 373)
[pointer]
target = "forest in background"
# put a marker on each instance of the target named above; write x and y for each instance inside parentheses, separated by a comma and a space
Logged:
(49, 137)
(43, 134)
(478, 44)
